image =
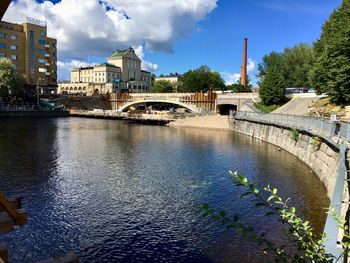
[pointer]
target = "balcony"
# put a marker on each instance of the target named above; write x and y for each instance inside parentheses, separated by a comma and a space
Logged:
(47, 64)
(47, 55)
(47, 73)
(47, 45)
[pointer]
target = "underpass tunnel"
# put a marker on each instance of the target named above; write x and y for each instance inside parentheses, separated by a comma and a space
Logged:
(224, 109)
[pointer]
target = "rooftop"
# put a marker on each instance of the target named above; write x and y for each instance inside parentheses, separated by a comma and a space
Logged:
(123, 53)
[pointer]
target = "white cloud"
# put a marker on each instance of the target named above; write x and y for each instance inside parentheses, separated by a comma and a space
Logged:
(97, 27)
(230, 78)
(251, 65)
(64, 68)
(145, 65)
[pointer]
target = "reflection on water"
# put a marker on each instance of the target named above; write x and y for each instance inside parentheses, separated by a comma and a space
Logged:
(118, 192)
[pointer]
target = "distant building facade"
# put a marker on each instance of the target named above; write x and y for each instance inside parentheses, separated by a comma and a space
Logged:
(32, 52)
(171, 78)
(121, 72)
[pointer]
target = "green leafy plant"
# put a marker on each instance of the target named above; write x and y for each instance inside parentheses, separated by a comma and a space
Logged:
(308, 247)
(316, 143)
(295, 134)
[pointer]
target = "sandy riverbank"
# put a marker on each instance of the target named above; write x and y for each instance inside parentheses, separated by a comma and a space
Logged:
(208, 122)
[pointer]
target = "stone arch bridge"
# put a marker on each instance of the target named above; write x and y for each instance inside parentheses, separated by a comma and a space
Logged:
(193, 102)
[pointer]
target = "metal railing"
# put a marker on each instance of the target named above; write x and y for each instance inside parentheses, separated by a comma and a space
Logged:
(316, 125)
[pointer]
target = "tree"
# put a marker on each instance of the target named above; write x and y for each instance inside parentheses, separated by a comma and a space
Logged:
(294, 64)
(162, 86)
(273, 88)
(10, 83)
(273, 59)
(238, 87)
(202, 79)
(331, 71)
(297, 63)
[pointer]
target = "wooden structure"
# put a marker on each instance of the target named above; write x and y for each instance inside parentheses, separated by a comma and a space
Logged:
(11, 215)
(4, 4)
(204, 101)
(118, 99)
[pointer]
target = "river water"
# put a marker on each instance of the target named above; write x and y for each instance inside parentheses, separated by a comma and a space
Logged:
(118, 192)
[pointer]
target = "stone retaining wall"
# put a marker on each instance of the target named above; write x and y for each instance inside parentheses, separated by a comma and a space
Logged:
(321, 156)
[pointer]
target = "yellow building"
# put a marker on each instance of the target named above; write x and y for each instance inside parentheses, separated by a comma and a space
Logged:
(32, 52)
(172, 78)
(122, 72)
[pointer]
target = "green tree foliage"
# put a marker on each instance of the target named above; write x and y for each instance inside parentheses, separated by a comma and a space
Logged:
(331, 71)
(10, 83)
(162, 86)
(291, 68)
(293, 63)
(273, 87)
(202, 79)
(238, 87)
(297, 63)
(271, 60)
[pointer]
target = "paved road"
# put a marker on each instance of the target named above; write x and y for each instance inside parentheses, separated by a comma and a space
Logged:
(297, 106)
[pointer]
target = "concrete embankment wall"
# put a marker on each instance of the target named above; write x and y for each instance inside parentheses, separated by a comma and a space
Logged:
(320, 155)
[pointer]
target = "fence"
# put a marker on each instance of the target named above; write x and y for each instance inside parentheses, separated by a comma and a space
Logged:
(321, 126)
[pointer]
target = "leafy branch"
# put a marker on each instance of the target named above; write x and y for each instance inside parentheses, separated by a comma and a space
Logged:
(308, 247)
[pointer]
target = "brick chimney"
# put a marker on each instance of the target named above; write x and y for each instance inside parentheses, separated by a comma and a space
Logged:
(243, 79)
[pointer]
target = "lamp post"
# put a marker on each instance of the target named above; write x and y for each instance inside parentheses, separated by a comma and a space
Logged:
(37, 92)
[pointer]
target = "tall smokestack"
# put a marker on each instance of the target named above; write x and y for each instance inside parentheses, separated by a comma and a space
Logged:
(244, 63)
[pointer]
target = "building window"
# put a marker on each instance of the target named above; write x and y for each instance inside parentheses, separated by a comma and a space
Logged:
(2, 45)
(2, 35)
(2, 55)
(53, 45)
(13, 37)
(41, 60)
(41, 42)
(41, 51)
(13, 47)
(42, 33)
(42, 70)
(54, 54)
(14, 57)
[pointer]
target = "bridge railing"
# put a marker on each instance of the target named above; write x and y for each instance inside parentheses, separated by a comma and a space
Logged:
(325, 128)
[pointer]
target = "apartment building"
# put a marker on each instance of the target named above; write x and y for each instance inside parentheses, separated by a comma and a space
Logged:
(33, 53)
(121, 72)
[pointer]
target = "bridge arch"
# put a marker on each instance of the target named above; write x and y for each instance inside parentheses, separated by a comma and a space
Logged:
(176, 103)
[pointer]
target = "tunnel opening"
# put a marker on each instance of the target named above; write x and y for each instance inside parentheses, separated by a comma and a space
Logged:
(225, 109)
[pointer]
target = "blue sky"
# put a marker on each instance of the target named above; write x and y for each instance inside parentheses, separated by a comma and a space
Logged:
(176, 35)
(269, 26)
